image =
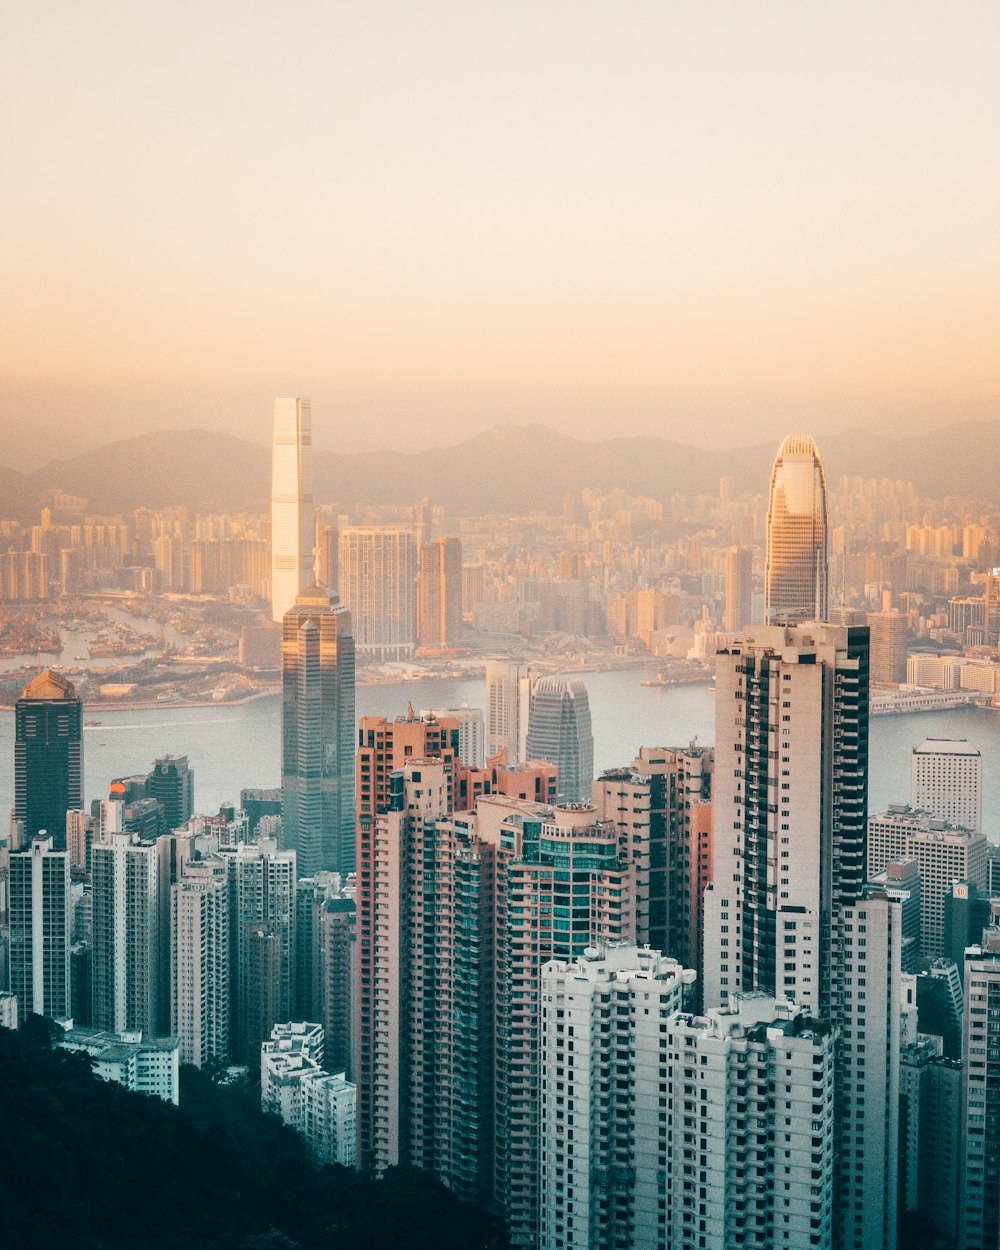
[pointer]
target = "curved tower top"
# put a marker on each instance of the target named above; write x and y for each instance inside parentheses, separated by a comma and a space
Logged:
(795, 572)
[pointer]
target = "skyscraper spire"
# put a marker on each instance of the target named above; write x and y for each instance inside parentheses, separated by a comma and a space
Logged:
(795, 573)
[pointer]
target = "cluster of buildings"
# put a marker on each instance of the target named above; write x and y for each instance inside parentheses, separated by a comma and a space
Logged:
(703, 1000)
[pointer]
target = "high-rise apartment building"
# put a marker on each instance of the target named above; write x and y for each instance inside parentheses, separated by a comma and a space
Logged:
(48, 756)
(320, 1106)
(40, 919)
(317, 732)
(943, 853)
(946, 779)
(739, 589)
(979, 1164)
(126, 929)
(889, 633)
(508, 701)
(603, 1138)
(199, 964)
(378, 584)
(261, 941)
(795, 569)
(471, 732)
(171, 784)
(292, 513)
(662, 807)
(789, 804)
(439, 593)
(930, 1099)
(559, 730)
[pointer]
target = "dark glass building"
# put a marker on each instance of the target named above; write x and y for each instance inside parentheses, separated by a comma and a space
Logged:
(171, 784)
(48, 756)
(317, 732)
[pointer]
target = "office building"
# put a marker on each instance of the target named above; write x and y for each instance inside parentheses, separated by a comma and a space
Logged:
(889, 633)
(601, 1053)
(48, 756)
(946, 779)
(737, 614)
(126, 930)
(171, 784)
(559, 730)
(317, 733)
(944, 855)
(378, 584)
(40, 920)
(439, 593)
(795, 568)
(789, 804)
(508, 701)
(292, 512)
(199, 964)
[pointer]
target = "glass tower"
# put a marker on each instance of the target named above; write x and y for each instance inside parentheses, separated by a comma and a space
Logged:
(317, 732)
(293, 524)
(795, 574)
(559, 730)
(48, 756)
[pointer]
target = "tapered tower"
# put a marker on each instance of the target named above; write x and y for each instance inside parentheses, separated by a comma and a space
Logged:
(293, 522)
(795, 574)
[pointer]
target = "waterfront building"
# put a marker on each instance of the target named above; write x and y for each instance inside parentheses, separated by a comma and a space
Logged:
(125, 962)
(378, 580)
(439, 593)
(48, 756)
(40, 920)
(317, 732)
(795, 569)
(601, 1052)
(171, 784)
(559, 730)
(508, 701)
(292, 511)
(946, 779)
(199, 964)
(943, 853)
(889, 633)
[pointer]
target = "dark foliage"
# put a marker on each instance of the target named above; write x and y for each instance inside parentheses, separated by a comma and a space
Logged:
(95, 1167)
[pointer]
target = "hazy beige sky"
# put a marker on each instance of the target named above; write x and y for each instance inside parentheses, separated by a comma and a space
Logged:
(702, 220)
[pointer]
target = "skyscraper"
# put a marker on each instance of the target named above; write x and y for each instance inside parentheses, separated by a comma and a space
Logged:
(559, 730)
(199, 962)
(171, 783)
(946, 779)
(790, 798)
(739, 589)
(795, 571)
(292, 518)
(439, 593)
(317, 732)
(126, 928)
(48, 756)
(378, 584)
(40, 920)
(508, 699)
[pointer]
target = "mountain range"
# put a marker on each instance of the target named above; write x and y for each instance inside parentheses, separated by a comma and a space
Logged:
(510, 468)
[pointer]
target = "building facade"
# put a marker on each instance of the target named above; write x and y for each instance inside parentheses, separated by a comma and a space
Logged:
(293, 522)
(795, 568)
(559, 729)
(48, 757)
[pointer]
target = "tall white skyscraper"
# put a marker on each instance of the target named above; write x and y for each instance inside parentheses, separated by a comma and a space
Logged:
(126, 925)
(795, 571)
(947, 781)
(508, 695)
(199, 964)
(40, 919)
(292, 516)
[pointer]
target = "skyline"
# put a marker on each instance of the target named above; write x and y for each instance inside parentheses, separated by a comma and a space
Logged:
(681, 223)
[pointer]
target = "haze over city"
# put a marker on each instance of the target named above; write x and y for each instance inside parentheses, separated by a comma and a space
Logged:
(712, 222)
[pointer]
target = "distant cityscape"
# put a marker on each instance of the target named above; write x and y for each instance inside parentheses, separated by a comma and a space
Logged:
(705, 999)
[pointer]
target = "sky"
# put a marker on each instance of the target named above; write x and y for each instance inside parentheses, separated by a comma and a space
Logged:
(710, 221)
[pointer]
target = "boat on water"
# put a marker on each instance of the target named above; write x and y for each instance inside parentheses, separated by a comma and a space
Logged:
(679, 677)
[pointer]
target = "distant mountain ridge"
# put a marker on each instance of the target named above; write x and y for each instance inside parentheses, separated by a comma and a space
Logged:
(509, 468)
